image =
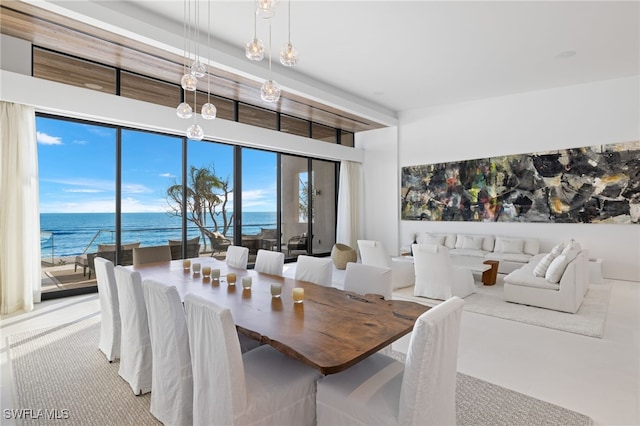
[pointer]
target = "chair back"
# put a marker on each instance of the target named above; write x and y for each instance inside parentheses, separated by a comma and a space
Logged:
(135, 350)
(237, 257)
(434, 272)
(152, 254)
(109, 307)
(219, 388)
(368, 279)
(270, 262)
(373, 253)
(428, 393)
(172, 382)
(318, 270)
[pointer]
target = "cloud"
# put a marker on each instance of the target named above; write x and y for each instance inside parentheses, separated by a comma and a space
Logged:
(167, 175)
(46, 139)
(88, 191)
(135, 188)
(80, 142)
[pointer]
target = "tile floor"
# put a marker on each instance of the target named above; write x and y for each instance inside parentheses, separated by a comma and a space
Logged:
(597, 377)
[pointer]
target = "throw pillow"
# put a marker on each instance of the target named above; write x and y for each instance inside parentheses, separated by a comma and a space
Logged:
(556, 269)
(572, 245)
(431, 239)
(471, 243)
(512, 246)
(542, 266)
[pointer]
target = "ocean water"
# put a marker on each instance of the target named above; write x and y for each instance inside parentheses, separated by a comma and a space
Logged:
(70, 234)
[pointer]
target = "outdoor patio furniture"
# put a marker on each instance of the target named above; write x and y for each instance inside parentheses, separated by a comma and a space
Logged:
(193, 248)
(218, 241)
(298, 242)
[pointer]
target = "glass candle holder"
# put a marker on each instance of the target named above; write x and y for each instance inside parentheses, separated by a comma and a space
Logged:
(186, 264)
(215, 274)
(206, 271)
(298, 294)
(276, 289)
(195, 268)
(246, 282)
(231, 278)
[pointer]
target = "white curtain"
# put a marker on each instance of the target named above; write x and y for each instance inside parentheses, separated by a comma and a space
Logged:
(349, 204)
(20, 211)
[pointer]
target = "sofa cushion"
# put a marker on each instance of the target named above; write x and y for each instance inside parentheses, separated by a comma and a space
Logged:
(488, 243)
(524, 276)
(424, 238)
(468, 252)
(542, 266)
(508, 257)
(531, 246)
(572, 245)
(469, 242)
(559, 264)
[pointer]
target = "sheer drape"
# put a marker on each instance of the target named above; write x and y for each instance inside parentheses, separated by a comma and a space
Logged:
(19, 215)
(349, 204)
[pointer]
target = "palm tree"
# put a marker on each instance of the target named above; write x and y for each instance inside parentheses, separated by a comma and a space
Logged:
(206, 201)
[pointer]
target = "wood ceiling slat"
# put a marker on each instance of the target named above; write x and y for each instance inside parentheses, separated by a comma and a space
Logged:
(60, 33)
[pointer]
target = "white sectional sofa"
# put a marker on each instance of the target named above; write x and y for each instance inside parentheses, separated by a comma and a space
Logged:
(557, 280)
(511, 252)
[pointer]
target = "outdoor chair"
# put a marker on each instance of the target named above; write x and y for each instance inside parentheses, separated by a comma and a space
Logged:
(151, 254)
(193, 248)
(298, 242)
(218, 242)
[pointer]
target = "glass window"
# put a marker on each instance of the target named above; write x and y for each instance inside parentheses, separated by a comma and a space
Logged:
(323, 204)
(258, 117)
(295, 126)
(75, 72)
(346, 138)
(77, 169)
(259, 200)
(149, 90)
(210, 209)
(294, 180)
(151, 167)
(323, 133)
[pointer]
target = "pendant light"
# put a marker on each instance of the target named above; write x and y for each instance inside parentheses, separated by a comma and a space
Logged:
(270, 91)
(254, 49)
(288, 54)
(208, 110)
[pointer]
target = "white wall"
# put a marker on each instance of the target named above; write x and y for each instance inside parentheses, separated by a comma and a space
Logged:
(574, 116)
(381, 186)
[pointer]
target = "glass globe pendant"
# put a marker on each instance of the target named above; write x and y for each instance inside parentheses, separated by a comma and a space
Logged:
(254, 49)
(198, 69)
(184, 110)
(289, 55)
(194, 132)
(266, 8)
(189, 82)
(208, 111)
(270, 91)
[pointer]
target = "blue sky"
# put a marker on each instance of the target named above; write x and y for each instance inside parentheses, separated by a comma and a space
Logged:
(77, 169)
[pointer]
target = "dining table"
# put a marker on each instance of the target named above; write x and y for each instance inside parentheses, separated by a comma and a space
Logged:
(330, 330)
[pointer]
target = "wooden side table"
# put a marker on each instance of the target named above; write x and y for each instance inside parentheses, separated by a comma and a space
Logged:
(489, 277)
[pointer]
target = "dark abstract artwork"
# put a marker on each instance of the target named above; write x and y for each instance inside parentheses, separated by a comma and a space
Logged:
(579, 185)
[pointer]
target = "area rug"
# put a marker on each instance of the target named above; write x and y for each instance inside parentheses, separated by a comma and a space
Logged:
(60, 377)
(489, 300)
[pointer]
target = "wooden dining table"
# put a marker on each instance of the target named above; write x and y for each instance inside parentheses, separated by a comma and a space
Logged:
(330, 330)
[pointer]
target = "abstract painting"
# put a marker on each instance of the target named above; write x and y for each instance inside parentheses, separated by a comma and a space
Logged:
(599, 184)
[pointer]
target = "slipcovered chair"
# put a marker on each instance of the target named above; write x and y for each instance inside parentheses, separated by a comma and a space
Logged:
(135, 350)
(368, 279)
(382, 391)
(109, 309)
(437, 277)
(317, 270)
(237, 257)
(269, 262)
(152, 254)
(374, 253)
(172, 381)
(262, 386)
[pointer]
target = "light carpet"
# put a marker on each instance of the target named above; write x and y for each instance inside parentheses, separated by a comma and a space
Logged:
(61, 368)
(489, 300)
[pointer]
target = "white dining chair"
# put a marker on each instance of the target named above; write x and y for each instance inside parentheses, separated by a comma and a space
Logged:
(135, 348)
(368, 279)
(109, 309)
(382, 391)
(318, 270)
(437, 277)
(151, 254)
(374, 253)
(269, 262)
(172, 379)
(237, 257)
(262, 386)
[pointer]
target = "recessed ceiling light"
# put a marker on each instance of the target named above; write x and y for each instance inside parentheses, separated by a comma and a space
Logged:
(566, 54)
(93, 86)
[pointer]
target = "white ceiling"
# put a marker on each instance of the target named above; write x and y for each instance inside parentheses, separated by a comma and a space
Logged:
(398, 55)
